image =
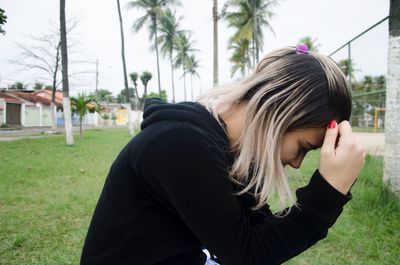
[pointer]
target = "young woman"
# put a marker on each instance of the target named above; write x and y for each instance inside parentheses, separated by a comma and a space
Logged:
(199, 174)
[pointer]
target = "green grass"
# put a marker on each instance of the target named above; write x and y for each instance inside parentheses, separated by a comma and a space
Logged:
(367, 232)
(48, 192)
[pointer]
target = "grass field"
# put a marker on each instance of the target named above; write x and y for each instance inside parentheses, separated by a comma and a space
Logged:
(48, 192)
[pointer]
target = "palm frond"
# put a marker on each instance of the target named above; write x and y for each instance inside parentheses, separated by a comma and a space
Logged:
(138, 24)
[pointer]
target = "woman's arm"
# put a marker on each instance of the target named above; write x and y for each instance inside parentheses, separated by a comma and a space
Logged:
(193, 177)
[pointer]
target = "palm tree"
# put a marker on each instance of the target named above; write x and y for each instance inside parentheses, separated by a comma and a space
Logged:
(380, 81)
(81, 106)
(64, 62)
(391, 176)
(134, 76)
(154, 10)
(347, 66)
(3, 20)
(192, 64)
(169, 29)
(312, 44)
(367, 83)
(215, 42)
(240, 57)
(128, 104)
(145, 77)
(251, 19)
(184, 47)
(103, 95)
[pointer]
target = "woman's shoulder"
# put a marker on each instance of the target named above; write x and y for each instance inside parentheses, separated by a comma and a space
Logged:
(181, 134)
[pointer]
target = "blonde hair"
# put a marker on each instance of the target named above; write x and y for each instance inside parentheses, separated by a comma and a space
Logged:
(287, 91)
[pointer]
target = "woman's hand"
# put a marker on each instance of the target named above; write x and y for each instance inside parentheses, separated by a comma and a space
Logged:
(342, 157)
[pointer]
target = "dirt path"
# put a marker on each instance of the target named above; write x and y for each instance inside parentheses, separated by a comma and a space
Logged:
(374, 143)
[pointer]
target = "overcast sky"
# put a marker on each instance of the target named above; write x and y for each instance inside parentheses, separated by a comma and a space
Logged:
(97, 36)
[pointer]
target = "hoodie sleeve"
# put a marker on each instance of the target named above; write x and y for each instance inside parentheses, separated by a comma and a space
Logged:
(194, 179)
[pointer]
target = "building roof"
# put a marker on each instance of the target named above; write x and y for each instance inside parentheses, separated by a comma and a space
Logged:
(9, 98)
(13, 96)
(47, 94)
(32, 98)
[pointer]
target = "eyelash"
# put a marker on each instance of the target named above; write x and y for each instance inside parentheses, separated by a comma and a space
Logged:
(300, 151)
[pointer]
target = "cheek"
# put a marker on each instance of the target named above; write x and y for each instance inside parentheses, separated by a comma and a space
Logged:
(288, 150)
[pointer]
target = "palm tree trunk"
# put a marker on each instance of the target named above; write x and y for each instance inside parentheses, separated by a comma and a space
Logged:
(254, 52)
(215, 68)
(80, 128)
(391, 176)
(249, 62)
(184, 79)
(191, 86)
(69, 137)
(158, 62)
(254, 33)
(145, 91)
(128, 104)
(257, 48)
(172, 77)
(137, 93)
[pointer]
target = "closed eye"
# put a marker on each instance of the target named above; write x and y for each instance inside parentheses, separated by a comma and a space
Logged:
(301, 151)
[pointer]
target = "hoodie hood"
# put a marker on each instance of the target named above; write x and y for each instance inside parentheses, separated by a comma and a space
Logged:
(192, 112)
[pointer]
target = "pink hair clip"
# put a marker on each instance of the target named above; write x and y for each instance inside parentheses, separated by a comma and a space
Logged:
(302, 49)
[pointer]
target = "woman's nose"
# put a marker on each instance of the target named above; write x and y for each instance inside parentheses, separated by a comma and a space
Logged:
(296, 163)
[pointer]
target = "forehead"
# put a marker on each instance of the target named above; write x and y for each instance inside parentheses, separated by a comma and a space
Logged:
(314, 136)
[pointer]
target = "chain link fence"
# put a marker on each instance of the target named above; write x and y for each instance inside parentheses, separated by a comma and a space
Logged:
(363, 60)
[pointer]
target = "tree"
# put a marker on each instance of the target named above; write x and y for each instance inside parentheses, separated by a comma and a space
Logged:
(240, 57)
(184, 48)
(169, 29)
(81, 106)
(153, 10)
(38, 86)
(215, 42)
(102, 95)
(192, 64)
(121, 97)
(134, 76)
(43, 54)
(3, 20)
(217, 16)
(368, 83)
(128, 104)
(64, 62)
(18, 85)
(312, 44)
(145, 77)
(48, 87)
(364, 98)
(163, 97)
(347, 66)
(250, 18)
(391, 176)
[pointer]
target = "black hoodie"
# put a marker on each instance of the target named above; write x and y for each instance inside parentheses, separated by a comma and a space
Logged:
(168, 194)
